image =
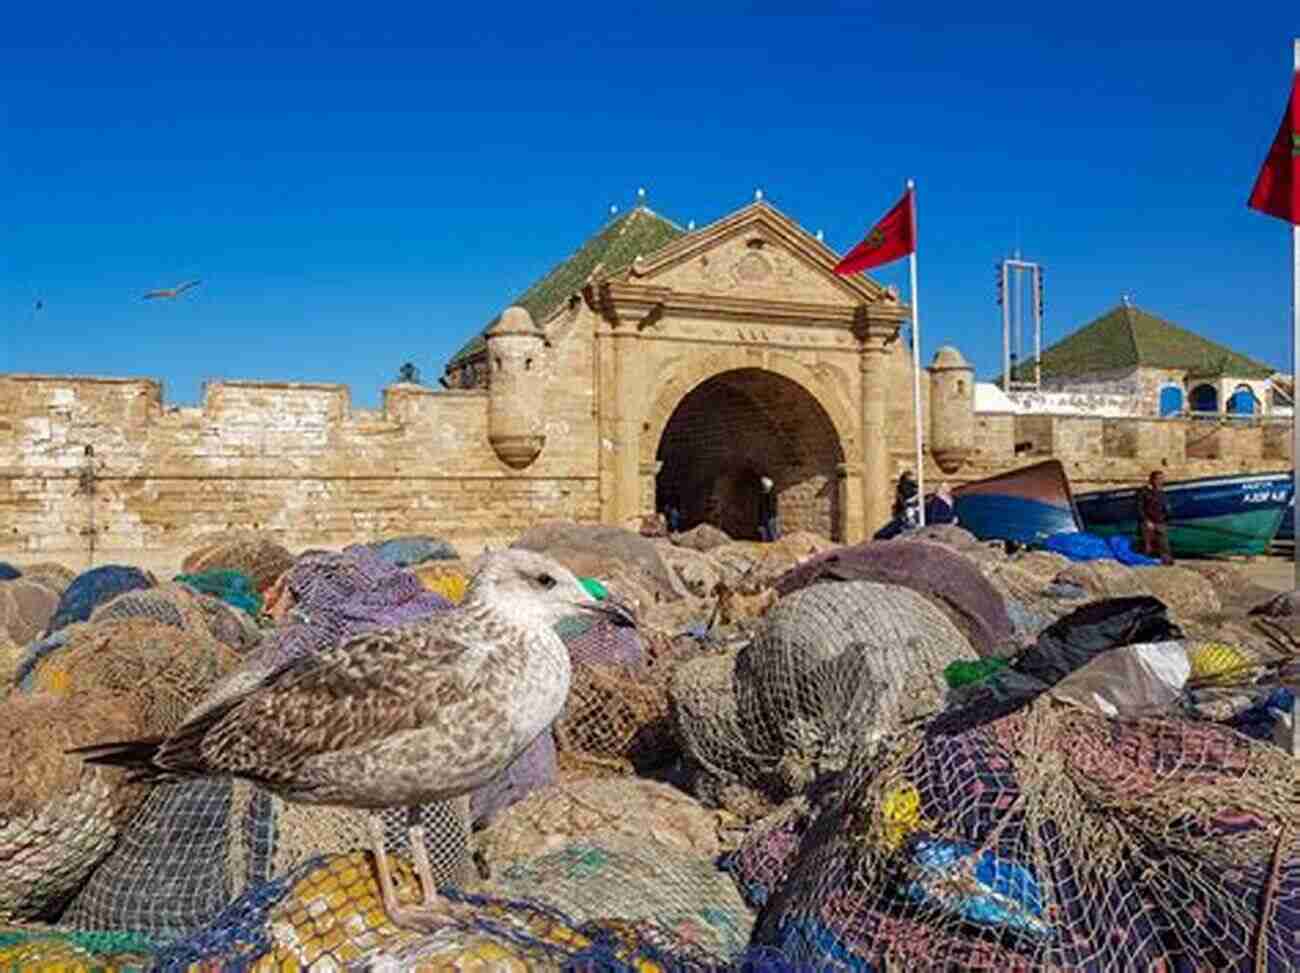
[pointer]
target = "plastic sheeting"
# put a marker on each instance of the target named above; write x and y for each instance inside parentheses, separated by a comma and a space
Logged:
(1129, 682)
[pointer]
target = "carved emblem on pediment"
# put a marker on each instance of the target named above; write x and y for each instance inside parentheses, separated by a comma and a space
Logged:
(752, 268)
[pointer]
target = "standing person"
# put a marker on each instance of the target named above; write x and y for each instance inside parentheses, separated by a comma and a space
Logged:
(1153, 518)
(768, 528)
(903, 494)
(939, 509)
(673, 516)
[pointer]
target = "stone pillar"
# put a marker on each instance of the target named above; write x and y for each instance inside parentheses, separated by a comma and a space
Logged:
(620, 395)
(875, 449)
(849, 484)
(649, 483)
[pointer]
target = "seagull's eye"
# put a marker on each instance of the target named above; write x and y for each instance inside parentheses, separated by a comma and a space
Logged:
(546, 581)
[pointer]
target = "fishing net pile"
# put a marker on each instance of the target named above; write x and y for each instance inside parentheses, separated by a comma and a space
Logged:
(26, 608)
(832, 666)
(92, 588)
(616, 718)
(91, 682)
(1049, 839)
(450, 579)
(58, 818)
(586, 808)
(233, 587)
(180, 606)
(252, 553)
(605, 553)
(407, 552)
(1188, 593)
(195, 845)
(53, 575)
(1031, 593)
(603, 906)
(950, 581)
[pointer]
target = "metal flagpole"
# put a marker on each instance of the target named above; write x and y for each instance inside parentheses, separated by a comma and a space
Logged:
(916, 363)
(1295, 344)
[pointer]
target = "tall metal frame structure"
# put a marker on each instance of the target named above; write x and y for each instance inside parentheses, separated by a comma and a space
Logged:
(1015, 277)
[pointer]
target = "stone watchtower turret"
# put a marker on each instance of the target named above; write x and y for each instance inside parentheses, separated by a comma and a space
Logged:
(515, 387)
(952, 409)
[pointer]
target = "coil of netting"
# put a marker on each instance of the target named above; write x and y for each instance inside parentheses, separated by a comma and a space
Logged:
(94, 587)
(417, 549)
(53, 575)
(180, 606)
(833, 667)
(253, 553)
(948, 579)
(195, 845)
(1049, 839)
(720, 768)
(26, 608)
(58, 817)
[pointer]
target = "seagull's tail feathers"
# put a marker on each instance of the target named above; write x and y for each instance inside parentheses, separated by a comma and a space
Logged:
(136, 756)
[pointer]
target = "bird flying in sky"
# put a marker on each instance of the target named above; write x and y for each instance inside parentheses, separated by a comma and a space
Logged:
(174, 292)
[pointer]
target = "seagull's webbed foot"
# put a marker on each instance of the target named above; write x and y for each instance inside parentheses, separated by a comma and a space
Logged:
(434, 911)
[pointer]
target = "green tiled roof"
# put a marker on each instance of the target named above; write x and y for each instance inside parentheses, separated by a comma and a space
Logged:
(638, 232)
(1128, 337)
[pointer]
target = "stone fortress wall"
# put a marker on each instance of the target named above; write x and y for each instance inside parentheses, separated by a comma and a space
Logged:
(299, 461)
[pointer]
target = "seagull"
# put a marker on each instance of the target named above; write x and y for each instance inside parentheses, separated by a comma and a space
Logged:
(175, 292)
(396, 717)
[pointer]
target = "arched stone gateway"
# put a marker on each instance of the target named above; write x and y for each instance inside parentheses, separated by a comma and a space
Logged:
(739, 425)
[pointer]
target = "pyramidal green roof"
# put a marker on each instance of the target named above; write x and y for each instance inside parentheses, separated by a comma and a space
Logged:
(638, 232)
(1129, 337)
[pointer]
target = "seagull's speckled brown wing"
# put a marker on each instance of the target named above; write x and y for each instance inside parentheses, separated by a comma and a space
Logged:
(368, 688)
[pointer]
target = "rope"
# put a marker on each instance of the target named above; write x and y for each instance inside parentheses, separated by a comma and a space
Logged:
(1267, 903)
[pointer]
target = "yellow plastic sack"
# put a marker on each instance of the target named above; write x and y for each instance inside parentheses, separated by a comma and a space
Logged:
(1215, 660)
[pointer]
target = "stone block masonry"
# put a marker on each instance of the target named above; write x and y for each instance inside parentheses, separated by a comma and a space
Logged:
(291, 459)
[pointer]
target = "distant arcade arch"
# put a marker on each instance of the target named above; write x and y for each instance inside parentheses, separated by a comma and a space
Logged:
(1205, 398)
(737, 426)
(1242, 401)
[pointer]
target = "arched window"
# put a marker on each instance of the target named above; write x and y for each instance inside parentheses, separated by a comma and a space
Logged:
(1171, 400)
(1205, 398)
(1242, 402)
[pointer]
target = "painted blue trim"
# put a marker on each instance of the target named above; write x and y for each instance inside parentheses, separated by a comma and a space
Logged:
(994, 517)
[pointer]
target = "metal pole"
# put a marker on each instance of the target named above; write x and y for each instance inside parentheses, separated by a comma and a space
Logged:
(916, 365)
(1006, 329)
(1295, 339)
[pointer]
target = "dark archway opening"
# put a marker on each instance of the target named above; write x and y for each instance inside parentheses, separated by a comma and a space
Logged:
(737, 427)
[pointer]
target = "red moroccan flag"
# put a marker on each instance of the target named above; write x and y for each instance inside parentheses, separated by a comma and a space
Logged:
(893, 237)
(1277, 188)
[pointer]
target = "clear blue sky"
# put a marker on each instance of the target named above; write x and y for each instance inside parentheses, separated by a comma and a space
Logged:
(361, 188)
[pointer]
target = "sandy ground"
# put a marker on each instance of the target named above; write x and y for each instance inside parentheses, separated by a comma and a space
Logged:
(1273, 572)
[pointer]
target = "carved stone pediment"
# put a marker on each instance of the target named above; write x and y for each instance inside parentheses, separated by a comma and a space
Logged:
(755, 254)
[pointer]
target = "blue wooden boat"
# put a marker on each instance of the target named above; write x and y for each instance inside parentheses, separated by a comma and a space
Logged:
(1286, 533)
(1026, 505)
(1213, 515)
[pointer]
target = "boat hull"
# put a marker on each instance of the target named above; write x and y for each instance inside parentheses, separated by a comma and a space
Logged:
(1210, 516)
(1286, 532)
(1026, 505)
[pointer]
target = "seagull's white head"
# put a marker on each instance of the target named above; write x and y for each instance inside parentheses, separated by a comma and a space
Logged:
(535, 590)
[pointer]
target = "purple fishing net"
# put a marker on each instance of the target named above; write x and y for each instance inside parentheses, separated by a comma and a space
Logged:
(536, 767)
(338, 595)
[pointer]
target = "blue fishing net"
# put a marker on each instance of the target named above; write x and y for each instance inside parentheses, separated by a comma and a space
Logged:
(91, 589)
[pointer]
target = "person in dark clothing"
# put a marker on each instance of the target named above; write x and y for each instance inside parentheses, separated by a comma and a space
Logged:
(673, 516)
(939, 507)
(768, 527)
(904, 492)
(1153, 519)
